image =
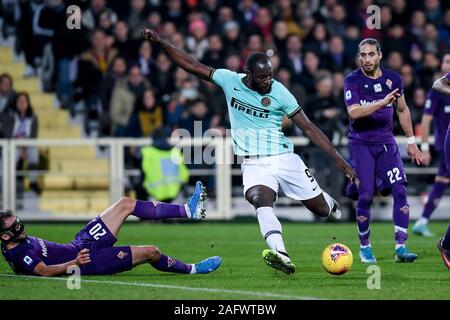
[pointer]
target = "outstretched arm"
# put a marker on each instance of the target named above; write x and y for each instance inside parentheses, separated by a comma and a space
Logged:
(356, 111)
(320, 139)
(442, 85)
(44, 270)
(181, 58)
(404, 117)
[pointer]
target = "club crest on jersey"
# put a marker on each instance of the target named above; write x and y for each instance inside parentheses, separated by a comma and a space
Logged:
(389, 84)
(266, 101)
(121, 255)
(377, 87)
(170, 262)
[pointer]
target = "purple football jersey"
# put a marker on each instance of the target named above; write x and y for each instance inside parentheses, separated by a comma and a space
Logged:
(438, 106)
(360, 89)
(27, 255)
(95, 236)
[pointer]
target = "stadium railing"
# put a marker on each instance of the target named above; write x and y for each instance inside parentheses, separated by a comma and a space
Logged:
(222, 169)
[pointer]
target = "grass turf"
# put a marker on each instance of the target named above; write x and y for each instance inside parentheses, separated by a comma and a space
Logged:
(243, 274)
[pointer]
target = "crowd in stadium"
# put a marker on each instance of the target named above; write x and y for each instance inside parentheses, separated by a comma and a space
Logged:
(124, 87)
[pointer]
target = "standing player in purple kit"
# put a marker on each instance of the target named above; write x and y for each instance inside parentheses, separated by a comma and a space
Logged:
(442, 85)
(92, 249)
(437, 107)
(371, 93)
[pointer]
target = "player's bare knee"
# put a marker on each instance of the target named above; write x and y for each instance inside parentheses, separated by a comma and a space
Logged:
(153, 253)
(126, 204)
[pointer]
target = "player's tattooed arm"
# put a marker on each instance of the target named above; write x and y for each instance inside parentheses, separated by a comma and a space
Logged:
(404, 117)
(320, 139)
(44, 270)
(181, 58)
(442, 85)
(356, 111)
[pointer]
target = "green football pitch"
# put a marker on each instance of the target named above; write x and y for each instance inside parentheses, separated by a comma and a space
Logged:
(243, 274)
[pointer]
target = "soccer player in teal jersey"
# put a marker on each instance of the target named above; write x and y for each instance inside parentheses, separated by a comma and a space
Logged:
(257, 104)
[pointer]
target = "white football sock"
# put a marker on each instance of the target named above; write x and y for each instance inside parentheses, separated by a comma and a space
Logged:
(270, 228)
(329, 200)
(422, 220)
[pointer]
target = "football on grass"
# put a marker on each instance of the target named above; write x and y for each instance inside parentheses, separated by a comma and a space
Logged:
(337, 259)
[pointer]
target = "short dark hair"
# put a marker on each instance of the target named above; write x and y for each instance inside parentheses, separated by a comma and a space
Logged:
(254, 59)
(3, 216)
(371, 41)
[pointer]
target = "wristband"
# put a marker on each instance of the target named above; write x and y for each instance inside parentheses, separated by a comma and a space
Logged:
(425, 146)
(411, 140)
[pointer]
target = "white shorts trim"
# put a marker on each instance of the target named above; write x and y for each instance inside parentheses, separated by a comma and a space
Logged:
(285, 170)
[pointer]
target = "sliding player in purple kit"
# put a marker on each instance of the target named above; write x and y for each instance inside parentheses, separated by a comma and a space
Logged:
(442, 85)
(437, 108)
(92, 249)
(371, 94)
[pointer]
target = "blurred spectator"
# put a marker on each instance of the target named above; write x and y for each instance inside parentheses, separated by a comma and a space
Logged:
(22, 123)
(92, 70)
(317, 41)
(430, 66)
(125, 46)
(147, 116)
(145, 59)
(214, 56)
(336, 59)
(444, 29)
(162, 78)
(91, 17)
(196, 42)
(311, 63)
(409, 82)
(336, 24)
(7, 94)
(418, 104)
(254, 43)
(433, 10)
(323, 112)
(124, 95)
(293, 59)
(280, 35)
(137, 19)
(174, 12)
(394, 61)
(163, 169)
(233, 62)
(232, 37)
(431, 41)
(118, 73)
(263, 24)
(246, 12)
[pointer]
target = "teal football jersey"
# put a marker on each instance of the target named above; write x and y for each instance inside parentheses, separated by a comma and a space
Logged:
(256, 119)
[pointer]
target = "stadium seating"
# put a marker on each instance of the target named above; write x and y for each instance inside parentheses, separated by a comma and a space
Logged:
(75, 180)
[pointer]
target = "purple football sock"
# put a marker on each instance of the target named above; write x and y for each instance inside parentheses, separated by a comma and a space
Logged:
(152, 210)
(400, 213)
(363, 217)
(169, 264)
(433, 199)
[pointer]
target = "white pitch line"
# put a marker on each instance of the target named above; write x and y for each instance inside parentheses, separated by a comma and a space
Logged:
(155, 285)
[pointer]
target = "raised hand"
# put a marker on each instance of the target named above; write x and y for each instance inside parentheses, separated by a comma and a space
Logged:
(151, 34)
(391, 97)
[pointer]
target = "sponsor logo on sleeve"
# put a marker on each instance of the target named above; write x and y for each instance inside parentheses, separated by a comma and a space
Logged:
(28, 260)
(348, 95)
(428, 104)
